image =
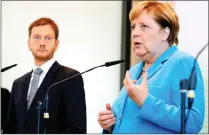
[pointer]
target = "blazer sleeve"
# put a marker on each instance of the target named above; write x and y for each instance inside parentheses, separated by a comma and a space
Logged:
(10, 125)
(75, 105)
(169, 115)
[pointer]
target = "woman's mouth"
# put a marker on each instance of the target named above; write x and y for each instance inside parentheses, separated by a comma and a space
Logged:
(137, 44)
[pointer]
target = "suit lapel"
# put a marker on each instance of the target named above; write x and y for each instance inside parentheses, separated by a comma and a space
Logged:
(23, 102)
(41, 92)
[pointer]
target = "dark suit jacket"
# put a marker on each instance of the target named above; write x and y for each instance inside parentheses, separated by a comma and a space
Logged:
(5, 95)
(67, 105)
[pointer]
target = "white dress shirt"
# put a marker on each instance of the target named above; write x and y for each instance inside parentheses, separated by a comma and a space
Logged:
(45, 67)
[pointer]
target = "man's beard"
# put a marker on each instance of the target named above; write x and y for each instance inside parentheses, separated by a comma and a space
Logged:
(43, 58)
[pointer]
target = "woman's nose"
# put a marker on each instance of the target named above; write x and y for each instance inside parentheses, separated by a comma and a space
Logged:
(135, 34)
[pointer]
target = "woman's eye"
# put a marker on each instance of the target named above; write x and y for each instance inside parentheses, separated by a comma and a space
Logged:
(132, 27)
(144, 26)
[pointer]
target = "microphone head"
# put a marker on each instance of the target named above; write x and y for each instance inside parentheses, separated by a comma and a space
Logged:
(7, 68)
(111, 63)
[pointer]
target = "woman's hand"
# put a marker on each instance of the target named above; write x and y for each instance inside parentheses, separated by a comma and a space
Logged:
(106, 118)
(138, 93)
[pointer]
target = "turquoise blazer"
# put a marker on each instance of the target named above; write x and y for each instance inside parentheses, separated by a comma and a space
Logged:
(161, 111)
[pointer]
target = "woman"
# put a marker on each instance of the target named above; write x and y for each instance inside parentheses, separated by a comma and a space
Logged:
(150, 101)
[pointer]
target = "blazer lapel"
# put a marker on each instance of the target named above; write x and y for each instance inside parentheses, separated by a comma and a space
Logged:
(124, 95)
(160, 60)
(151, 71)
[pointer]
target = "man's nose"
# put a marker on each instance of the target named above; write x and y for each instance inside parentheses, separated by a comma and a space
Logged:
(42, 42)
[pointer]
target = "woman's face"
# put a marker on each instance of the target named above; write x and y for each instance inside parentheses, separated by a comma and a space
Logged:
(147, 35)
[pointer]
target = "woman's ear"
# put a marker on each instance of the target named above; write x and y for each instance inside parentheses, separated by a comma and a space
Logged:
(166, 33)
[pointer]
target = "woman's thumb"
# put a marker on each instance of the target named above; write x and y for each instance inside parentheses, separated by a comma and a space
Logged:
(108, 107)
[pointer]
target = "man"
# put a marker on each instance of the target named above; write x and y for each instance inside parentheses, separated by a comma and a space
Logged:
(5, 94)
(66, 106)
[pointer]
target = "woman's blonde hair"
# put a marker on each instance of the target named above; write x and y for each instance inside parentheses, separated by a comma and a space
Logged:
(162, 13)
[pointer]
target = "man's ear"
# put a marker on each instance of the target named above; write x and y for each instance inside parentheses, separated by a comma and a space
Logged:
(29, 47)
(166, 33)
(56, 45)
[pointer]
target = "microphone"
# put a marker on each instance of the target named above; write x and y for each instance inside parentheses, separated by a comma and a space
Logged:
(107, 64)
(7, 68)
(188, 84)
(193, 79)
(46, 99)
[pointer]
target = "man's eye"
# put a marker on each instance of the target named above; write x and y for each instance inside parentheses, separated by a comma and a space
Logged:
(48, 38)
(36, 37)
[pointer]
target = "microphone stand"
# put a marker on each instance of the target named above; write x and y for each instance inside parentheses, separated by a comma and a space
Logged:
(46, 98)
(38, 108)
(184, 86)
(188, 84)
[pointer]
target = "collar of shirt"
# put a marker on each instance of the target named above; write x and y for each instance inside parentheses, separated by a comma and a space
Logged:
(45, 67)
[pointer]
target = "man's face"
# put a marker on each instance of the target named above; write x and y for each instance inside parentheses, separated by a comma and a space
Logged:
(42, 42)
